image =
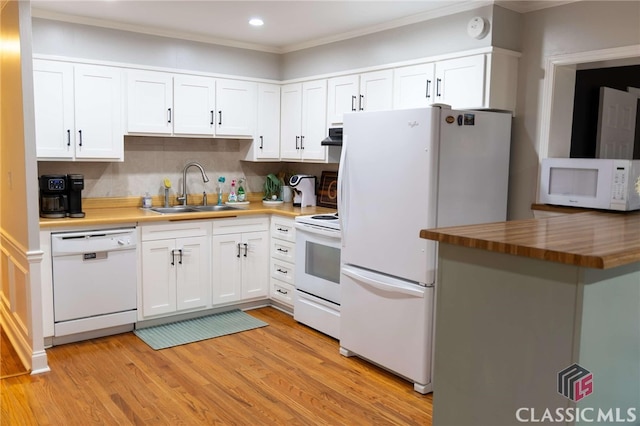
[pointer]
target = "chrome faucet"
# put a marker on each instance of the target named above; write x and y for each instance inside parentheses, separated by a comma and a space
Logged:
(205, 178)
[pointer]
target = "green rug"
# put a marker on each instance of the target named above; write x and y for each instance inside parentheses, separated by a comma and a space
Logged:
(193, 330)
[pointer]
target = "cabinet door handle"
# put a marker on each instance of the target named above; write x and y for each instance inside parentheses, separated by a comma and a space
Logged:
(211, 118)
(80, 133)
(180, 251)
(353, 103)
(169, 115)
(261, 142)
(428, 95)
(246, 249)
(301, 142)
(438, 81)
(238, 250)
(173, 257)
(68, 137)
(297, 137)
(219, 118)
(361, 102)
(282, 271)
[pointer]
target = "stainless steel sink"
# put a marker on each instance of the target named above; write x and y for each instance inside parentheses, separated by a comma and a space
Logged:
(191, 209)
(173, 209)
(213, 208)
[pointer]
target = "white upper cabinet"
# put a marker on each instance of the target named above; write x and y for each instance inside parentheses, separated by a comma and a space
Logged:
(78, 112)
(303, 121)
(266, 141)
(149, 102)
(372, 91)
(54, 105)
(478, 81)
(343, 95)
(290, 121)
(194, 100)
(236, 108)
(167, 104)
(413, 86)
(376, 90)
(314, 113)
(460, 82)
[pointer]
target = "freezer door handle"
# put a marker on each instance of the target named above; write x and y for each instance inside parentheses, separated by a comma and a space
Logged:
(364, 278)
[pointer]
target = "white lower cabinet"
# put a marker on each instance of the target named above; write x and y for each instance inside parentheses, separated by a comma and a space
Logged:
(175, 268)
(283, 245)
(240, 259)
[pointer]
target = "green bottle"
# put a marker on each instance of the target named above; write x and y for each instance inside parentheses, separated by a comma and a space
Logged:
(241, 194)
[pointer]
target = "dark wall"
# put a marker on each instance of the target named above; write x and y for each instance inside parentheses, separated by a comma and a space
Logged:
(586, 103)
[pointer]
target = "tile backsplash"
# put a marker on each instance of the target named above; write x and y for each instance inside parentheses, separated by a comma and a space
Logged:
(148, 160)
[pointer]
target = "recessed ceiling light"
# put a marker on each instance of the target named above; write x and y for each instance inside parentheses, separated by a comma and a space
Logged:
(256, 22)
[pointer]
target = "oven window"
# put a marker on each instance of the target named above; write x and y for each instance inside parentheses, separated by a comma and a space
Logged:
(322, 262)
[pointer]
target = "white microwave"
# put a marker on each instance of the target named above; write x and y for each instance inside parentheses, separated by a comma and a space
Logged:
(596, 183)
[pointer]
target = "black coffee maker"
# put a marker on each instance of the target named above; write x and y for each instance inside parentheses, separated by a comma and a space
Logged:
(61, 195)
(75, 185)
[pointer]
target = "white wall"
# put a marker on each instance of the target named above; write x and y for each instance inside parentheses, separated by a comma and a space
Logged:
(576, 27)
(87, 42)
(442, 35)
(20, 257)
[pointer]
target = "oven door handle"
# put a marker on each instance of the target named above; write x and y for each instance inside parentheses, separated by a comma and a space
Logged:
(314, 230)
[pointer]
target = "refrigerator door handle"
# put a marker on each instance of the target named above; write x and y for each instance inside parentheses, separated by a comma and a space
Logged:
(363, 277)
(342, 196)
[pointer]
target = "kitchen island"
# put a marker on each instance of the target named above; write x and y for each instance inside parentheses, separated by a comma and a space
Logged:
(519, 302)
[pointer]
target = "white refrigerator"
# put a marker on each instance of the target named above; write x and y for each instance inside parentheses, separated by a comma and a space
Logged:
(402, 171)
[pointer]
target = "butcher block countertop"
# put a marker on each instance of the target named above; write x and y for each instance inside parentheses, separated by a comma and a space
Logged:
(112, 211)
(591, 239)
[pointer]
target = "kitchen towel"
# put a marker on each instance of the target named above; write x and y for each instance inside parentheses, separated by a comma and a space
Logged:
(193, 330)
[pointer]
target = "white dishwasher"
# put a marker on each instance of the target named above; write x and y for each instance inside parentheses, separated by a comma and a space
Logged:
(94, 283)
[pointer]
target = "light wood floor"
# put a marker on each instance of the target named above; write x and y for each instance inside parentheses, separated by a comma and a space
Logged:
(285, 373)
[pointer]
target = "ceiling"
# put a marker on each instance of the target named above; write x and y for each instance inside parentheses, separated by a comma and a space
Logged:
(288, 25)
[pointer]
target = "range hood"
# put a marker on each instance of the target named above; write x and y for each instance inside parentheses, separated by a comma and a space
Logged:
(334, 138)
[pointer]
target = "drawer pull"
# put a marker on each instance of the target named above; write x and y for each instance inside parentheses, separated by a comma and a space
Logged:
(282, 291)
(282, 229)
(281, 271)
(281, 250)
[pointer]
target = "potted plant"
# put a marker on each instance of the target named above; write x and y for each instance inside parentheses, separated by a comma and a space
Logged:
(272, 187)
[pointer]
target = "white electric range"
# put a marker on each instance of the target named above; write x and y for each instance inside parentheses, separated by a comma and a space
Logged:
(317, 278)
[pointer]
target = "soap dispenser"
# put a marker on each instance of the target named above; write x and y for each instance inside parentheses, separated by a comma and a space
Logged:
(220, 182)
(232, 194)
(242, 196)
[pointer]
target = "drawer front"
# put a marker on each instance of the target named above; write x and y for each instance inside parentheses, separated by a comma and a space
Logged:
(283, 250)
(240, 225)
(283, 229)
(283, 271)
(282, 292)
(164, 231)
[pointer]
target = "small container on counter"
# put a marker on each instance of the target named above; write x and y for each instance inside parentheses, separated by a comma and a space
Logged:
(146, 201)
